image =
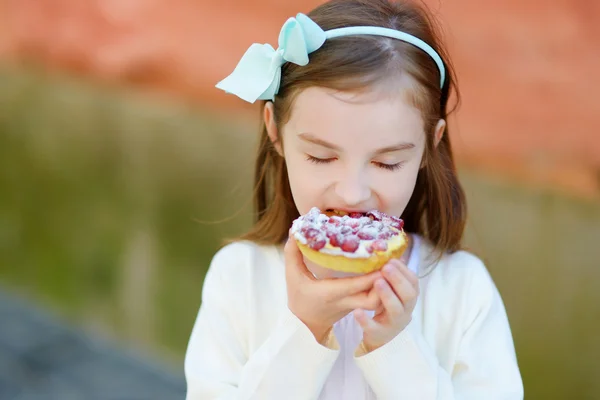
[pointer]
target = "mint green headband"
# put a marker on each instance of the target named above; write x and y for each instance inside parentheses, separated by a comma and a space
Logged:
(258, 74)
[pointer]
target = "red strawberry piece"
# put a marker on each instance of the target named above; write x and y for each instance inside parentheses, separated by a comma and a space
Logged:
(384, 235)
(310, 233)
(335, 240)
(365, 235)
(355, 215)
(353, 223)
(397, 223)
(350, 244)
(346, 230)
(374, 214)
(317, 243)
(379, 245)
(334, 221)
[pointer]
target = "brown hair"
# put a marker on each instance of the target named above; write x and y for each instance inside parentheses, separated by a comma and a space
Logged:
(437, 208)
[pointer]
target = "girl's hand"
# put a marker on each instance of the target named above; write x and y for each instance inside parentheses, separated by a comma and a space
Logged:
(398, 291)
(319, 303)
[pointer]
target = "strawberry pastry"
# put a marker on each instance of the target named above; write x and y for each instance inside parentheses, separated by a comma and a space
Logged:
(353, 242)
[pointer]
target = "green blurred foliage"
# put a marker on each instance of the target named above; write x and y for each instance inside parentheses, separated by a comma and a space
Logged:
(95, 182)
(101, 191)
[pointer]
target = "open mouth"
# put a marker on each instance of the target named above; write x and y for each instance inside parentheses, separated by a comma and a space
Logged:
(373, 214)
(352, 214)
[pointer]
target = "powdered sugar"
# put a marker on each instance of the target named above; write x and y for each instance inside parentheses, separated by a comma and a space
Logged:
(356, 236)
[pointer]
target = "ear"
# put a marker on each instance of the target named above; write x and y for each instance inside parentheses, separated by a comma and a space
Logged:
(271, 126)
(438, 133)
(440, 128)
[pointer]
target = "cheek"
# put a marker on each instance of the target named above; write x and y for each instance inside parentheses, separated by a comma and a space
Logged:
(305, 185)
(394, 191)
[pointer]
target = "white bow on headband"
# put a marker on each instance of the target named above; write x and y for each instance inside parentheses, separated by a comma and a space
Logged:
(258, 74)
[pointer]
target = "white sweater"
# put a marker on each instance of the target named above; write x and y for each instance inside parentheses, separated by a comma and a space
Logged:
(246, 344)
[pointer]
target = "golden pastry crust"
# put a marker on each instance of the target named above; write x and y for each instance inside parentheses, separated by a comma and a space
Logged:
(339, 262)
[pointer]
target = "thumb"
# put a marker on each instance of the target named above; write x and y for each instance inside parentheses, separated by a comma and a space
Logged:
(294, 260)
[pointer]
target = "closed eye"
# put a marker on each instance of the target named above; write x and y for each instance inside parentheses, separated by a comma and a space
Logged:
(389, 167)
(319, 160)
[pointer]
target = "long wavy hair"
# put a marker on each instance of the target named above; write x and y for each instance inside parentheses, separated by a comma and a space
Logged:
(437, 208)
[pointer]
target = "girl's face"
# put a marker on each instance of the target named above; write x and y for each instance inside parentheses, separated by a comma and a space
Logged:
(353, 152)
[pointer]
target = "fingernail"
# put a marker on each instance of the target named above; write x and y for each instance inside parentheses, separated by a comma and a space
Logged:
(388, 268)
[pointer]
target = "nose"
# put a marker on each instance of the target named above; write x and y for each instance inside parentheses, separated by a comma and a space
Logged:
(353, 188)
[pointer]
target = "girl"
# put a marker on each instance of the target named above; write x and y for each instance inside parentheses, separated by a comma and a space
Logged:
(355, 103)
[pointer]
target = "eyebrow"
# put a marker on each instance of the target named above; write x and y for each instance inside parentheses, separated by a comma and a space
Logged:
(310, 138)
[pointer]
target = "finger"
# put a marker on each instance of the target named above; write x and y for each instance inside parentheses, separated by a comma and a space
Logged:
(373, 292)
(375, 300)
(399, 284)
(392, 304)
(367, 300)
(367, 324)
(411, 276)
(342, 287)
(294, 261)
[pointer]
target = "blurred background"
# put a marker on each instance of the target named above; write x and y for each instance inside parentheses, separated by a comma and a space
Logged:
(122, 169)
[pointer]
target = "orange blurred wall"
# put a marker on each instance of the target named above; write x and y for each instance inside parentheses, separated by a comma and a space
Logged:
(528, 69)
